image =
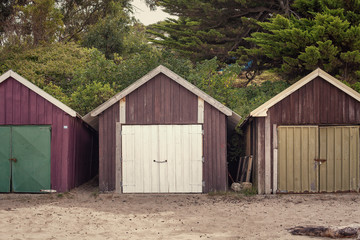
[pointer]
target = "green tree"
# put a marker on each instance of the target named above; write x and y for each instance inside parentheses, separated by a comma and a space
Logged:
(108, 34)
(329, 39)
(206, 29)
(35, 22)
(81, 15)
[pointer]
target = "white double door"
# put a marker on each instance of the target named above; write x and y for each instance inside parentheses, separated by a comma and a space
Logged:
(162, 158)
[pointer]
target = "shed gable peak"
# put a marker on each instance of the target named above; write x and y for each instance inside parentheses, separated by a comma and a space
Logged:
(261, 111)
(174, 77)
(39, 91)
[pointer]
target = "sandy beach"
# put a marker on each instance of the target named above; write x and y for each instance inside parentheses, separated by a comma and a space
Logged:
(84, 213)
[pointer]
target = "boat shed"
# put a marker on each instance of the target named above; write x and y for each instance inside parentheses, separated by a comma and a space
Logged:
(306, 138)
(162, 135)
(44, 144)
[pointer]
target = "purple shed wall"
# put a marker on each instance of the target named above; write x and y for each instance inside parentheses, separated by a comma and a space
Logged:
(69, 166)
(164, 101)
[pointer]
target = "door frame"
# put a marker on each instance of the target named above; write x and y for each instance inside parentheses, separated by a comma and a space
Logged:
(118, 152)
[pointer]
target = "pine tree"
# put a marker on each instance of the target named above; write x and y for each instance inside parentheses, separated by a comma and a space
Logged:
(326, 36)
(206, 29)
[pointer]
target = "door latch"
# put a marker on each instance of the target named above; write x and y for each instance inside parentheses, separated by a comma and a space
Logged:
(160, 161)
(13, 159)
(320, 161)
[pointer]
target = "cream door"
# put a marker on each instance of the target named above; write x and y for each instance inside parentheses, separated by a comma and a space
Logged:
(162, 158)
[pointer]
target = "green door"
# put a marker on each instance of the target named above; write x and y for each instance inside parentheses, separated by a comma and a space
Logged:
(29, 149)
(5, 154)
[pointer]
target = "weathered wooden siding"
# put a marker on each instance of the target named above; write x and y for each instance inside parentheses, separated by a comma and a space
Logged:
(215, 143)
(107, 147)
(85, 150)
(316, 103)
(161, 101)
(21, 106)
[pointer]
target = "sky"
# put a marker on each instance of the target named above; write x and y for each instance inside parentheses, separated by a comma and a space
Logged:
(143, 13)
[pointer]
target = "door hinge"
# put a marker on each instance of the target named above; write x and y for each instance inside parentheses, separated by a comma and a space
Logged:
(203, 159)
(202, 132)
(203, 183)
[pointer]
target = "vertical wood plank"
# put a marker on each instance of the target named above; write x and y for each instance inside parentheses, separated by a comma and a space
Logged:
(267, 155)
(167, 100)
(260, 155)
(149, 102)
(3, 102)
(9, 102)
(118, 168)
(16, 102)
(24, 103)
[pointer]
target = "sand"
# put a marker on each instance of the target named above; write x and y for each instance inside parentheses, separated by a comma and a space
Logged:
(85, 214)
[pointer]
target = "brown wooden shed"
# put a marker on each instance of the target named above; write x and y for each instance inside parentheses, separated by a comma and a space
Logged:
(44, 144)
(162, 134)
(306, 138)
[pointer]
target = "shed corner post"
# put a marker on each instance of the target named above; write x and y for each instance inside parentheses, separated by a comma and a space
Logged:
(118, 162)
(118, 159)
(200, 110)
(260, 154)
(267, 179)
(275, 158)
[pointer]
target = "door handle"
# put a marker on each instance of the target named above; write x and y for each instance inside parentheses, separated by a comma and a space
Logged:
(160, 161)
(13, 159)
(319, 161)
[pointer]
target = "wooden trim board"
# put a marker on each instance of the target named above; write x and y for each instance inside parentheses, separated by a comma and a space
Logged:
(118, 177)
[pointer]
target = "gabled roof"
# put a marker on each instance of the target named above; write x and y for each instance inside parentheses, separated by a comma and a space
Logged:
(261, 111)
(39, 91)
(171, 75)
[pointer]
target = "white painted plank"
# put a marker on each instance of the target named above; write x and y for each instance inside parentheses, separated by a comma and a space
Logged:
(186, 158)
(163, 183)
(155, 174)
(200, 110)
(128, 147)
(171, 158)
(122, 111)
(275, 160)
(196, 158)
(267, 155)
(179, 154)
(118, 158)
(145, 147)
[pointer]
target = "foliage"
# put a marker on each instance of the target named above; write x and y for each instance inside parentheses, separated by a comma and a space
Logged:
(108, 34)
(89, 96)
(55, 63)
(254, 95)
(328, 39)
(206, 29)
(80, 15)
(218, 84)
(35, 22)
